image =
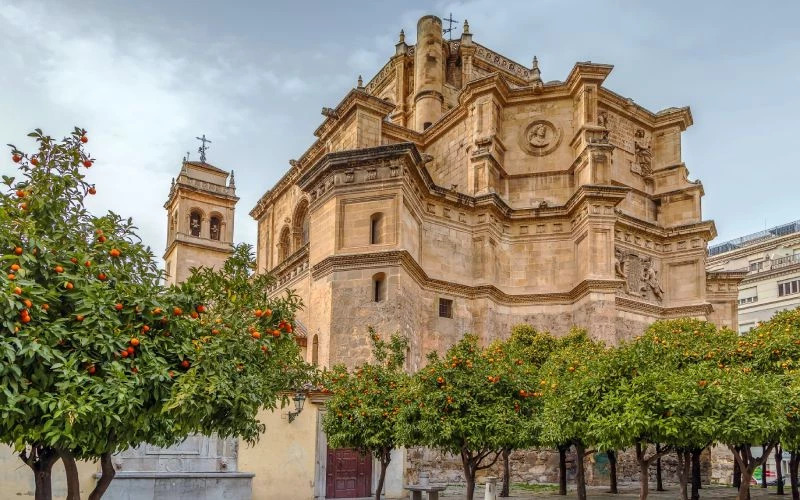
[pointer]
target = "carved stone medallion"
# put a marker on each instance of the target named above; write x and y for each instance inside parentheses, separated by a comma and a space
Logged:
(540, 137)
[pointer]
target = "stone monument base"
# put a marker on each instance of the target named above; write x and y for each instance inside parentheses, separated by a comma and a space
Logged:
(180, 486)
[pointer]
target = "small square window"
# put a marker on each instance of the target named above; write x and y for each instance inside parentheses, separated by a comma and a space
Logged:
(445, 308)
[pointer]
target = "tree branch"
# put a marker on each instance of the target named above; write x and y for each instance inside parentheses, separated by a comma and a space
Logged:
(494, 460)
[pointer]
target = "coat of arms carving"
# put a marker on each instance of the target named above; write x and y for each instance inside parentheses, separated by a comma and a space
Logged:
(639, 273)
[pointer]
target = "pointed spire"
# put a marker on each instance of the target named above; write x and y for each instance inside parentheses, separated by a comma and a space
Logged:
(172, 183)
(232, 183)
(402, 37)
(360, 82)
(466, 27)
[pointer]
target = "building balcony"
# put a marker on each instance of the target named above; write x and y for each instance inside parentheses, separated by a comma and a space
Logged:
(772, 265)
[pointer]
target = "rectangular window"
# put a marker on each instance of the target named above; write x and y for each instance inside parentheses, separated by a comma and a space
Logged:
(748, 295)
(788, 287)
(445, 308)
(756, 266)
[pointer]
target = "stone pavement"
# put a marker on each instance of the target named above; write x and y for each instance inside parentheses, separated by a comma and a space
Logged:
(626, 492)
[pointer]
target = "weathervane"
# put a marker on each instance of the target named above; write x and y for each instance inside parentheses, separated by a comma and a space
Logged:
(202, 149)
(449, 30)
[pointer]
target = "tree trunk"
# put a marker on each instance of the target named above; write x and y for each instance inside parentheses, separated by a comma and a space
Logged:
(683, 472)
(385, 458)
(562, 469)
(794, 462)
(107, 473)
(612, 470)
(506, 473)
(748, 464)
(779, 469)
(41, 459)
(764, 469)
(659, 478)
(696, 478)
(580, 478)
(469, 472)
(71, 471)
(737, 471)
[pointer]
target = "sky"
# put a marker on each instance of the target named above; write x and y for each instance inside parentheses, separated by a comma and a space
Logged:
(146, 77)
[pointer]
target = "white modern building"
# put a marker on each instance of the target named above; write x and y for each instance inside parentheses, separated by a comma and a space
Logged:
(772, 259)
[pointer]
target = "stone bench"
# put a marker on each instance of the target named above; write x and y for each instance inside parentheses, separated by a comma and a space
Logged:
(432, 491)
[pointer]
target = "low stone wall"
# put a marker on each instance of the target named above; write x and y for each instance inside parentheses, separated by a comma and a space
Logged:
(541, 466)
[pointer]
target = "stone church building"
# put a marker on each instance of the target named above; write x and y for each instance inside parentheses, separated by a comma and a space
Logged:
(456, 191)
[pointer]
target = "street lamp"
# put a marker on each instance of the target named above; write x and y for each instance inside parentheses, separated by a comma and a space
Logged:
(299, 399)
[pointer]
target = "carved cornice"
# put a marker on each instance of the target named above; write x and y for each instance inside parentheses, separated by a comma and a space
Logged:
(682, 117)
(401, 258)
(520, 74)
(206, 244)
(705, 229)
(637, 306)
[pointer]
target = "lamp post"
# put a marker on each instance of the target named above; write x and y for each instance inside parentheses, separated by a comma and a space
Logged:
(299, 399)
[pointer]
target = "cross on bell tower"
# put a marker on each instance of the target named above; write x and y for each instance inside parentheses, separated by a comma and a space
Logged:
(202, 149)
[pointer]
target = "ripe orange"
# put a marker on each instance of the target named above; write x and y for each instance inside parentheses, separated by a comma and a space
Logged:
(177, 311)
(28, 303)
(58, 269)
(131, 350)
(91, 369)
(114, 252)
(258, 313)
(69, 286)
(194, 315)
(46, 306)
(16, 158)
(124, 353)
(145, 328)
(73, 260)
(87, 163)
(214, 332)
(88, 263)
(267, 312)
(25, 319)
(79, 317)
(20, 193)
(102, 276)
(101, 239)
(18, 251)
(84, 139)
(34, 161)
(12, 276)
(185, 363)
(201, 308)
(256, 335)
(118, 306)
(17, 291)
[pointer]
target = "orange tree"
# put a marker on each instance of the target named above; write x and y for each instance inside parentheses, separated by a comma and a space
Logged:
(363, 409)
(665, 391)
(96, 355)
(572, 382)
(526, 351)
(468, 403)
(773, 349)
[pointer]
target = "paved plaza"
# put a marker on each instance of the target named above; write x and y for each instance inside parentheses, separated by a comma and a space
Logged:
(626, 492)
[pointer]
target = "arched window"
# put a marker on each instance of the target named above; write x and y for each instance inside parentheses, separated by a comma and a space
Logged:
(300, 224)
(283, 245)
(315, 350)
(379, 287)
(195, 222)
(215, 227)
(376, 229)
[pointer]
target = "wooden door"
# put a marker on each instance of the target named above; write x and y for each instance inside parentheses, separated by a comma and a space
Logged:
(348, 474)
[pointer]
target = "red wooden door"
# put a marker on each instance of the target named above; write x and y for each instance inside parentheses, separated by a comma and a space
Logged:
(348, 474)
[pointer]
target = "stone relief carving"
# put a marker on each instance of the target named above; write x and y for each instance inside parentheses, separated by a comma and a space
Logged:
(540, 138)
(639, 274)
(602, 119)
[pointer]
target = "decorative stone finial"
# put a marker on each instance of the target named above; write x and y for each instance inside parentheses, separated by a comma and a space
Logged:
(293, 163)
(172, 183)
(232, 183)
(402, 37)
(536, 74)
(360, 82)
(466, 27)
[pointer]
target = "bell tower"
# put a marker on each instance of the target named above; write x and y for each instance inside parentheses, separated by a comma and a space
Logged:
(200, 211)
